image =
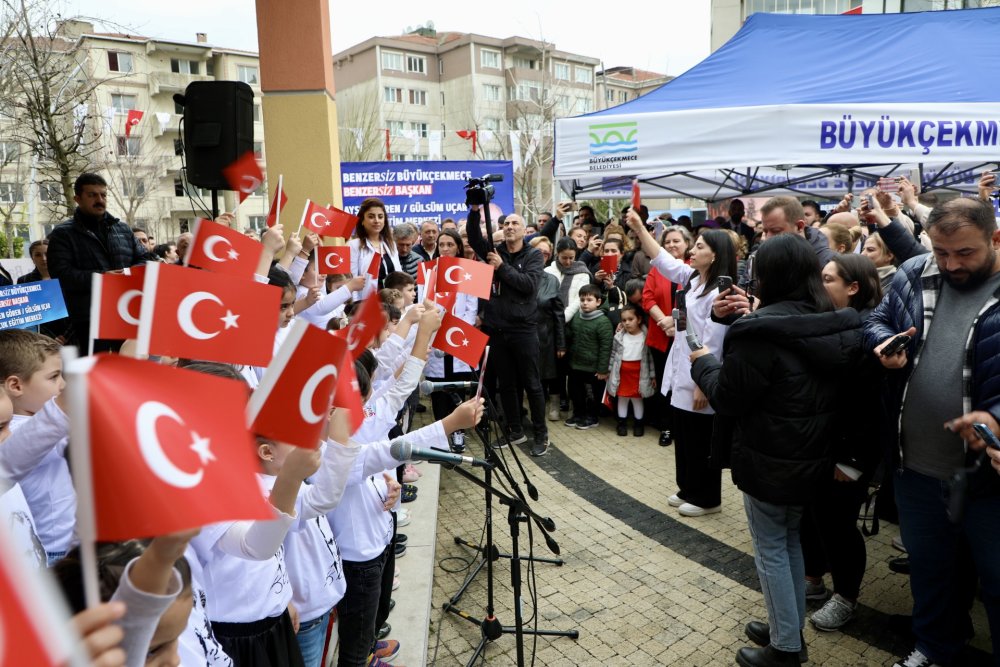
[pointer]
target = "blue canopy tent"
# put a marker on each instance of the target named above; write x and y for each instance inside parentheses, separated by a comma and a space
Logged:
(810, 105)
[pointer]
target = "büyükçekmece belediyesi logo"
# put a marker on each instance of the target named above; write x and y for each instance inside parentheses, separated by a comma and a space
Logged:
(613, 145)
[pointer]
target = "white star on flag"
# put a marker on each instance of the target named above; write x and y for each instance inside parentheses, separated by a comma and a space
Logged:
(468, 276)
(233, 255)
(230, 319)
(200, 447)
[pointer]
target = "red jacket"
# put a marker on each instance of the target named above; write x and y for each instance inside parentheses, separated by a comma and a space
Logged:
(657, 292)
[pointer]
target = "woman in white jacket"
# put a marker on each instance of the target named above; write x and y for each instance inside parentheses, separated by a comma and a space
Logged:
(373, 235)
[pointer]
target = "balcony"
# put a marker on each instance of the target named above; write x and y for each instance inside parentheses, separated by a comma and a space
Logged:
(173, 82)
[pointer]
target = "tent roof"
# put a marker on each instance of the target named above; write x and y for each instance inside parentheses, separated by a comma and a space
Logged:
(873, 58)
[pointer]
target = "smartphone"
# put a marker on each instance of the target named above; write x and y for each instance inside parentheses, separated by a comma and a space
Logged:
(680, 319)
(896, 345)
(987, 436)
(888, 184)
(725, 282)
(871, 202)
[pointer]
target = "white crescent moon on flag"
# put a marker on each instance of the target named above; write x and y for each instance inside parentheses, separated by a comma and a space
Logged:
(352, 342)
(448, 334)
(146, 418)
(323, 221)
(185, 309)
(306, 398)
(209, 247)
(124, 301)
(249, 183)
(333, 255)
(447, 275)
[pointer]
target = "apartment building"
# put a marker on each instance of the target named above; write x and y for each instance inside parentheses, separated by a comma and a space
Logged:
(617, 85)
(143, 169)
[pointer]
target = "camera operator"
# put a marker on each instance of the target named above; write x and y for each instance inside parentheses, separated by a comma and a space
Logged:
(510, 317)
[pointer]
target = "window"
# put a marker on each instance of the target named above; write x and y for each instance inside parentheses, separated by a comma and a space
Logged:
(256, 113)
(395, 128)
(393, 94)
(183, 66)
(178, 108)
(442, 98)
(178, 147)
(609, 95)
(399, 157)
(562, 102)
(50, 192)
(9, 151)
(257, 222)
(258, 150)
(178, 187)
(562, 71)
(584, 75)
(489, 59)
(123, 103)
(128, 146)
(526, 92)
(416, 64)
(492, 155)
(210, 68)
(585, 104)
(491, 93)
(418, 97)
(440, 67)
(247, 74)
(420, 129)
(10, 193)
(524, 63)
(491, 124)
(119, 61)
(133, 187)
(393, 61)
(418, 157)
(622, 96)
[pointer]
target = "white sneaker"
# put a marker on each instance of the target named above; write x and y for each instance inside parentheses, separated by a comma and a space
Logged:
(687, 509)
(916, 659)
(402, 518)
(675, 501)
(834, 614)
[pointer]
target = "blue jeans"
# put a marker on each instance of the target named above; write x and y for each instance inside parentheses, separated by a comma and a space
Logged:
(777, 552)
(941, 599)
(357, 610)
(312, 638)
(53, 557)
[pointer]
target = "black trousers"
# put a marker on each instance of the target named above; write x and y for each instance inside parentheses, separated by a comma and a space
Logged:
(514, 362)
(658, 410)
(578, 383)
(831, 539)
(358, 609)
(699, 477)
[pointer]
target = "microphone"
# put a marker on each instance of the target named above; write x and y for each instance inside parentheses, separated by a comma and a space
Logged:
(404, 451)
(427, 387)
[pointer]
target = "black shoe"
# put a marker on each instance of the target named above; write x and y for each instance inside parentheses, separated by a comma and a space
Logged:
(383, 632)
(760, 634)
(401, 538)
(541, 447)
(400, 550)
(766, 656)
(392, 604)
(665, 439)
(622, 429)
(638, 428)
(421, 408)
(563, 405)
(900, 565)
(573, 421)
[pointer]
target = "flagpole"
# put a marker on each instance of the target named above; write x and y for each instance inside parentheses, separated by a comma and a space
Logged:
(75, 371)
(305, 209)
(277, 202)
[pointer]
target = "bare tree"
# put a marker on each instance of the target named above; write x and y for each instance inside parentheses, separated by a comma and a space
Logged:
(362, 138)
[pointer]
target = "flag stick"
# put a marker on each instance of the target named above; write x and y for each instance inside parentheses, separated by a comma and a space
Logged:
(75, 371)
(482, 373)
(277, 202)
(303, 220)
(316, 257)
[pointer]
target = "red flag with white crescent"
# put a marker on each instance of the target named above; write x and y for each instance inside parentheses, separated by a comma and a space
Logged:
(348, 395)
(217, 248)
(460, 339)
(457, 274)
(292, 402)
(367, 322)
(277, 205)
(131, 120)
(115, 304)
(334, 260)
(342, 223)
(375, 265)
(244, 175)
(425, 270)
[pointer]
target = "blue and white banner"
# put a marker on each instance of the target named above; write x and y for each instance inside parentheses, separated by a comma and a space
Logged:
(416, 192)
(31, 304)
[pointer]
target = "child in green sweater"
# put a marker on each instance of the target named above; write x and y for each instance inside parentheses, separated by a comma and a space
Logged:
(588, 336)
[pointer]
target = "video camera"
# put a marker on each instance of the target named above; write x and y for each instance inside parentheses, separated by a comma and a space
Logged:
(479, 192)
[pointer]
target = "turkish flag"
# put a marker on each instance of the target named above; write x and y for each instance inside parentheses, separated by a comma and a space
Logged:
(116, 300)
(277, 205)
(609, 264)
(376, 263)
(170, 453)
(367, 322)
(203, 315)
(425, 271)
(469, 134)
(131, 120)
(457, 274)
(244, 175)
(217, 248)
(856, 10)
(460, 339)
(342, 223)
(636, 199)
(293, 400)
(334, 260)
(348, 395)
(316, 218)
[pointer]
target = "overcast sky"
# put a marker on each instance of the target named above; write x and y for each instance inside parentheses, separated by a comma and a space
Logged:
(668, 39)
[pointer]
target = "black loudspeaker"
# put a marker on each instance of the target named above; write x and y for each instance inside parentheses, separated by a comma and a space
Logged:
(218, 128)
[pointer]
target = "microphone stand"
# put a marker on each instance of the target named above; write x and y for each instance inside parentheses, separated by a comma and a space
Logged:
(518, 513)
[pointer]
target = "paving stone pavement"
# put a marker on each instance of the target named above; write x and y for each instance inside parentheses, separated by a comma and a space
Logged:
(642, 585)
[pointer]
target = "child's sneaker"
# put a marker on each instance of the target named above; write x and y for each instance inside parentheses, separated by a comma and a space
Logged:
(573, 421)
(586, 423)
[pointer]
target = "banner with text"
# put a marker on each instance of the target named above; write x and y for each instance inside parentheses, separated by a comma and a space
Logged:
(31, 304)
(419, 191)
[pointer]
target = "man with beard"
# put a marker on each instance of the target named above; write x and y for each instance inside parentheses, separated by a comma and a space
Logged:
(946, 379)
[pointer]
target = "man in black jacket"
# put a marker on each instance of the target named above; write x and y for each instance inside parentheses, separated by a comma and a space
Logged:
(92, 241)
(510, 318)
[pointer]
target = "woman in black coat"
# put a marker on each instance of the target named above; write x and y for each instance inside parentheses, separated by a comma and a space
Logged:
(780, 379)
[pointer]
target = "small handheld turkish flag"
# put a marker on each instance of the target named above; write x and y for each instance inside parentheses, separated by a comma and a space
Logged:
(457, 274)
(425, 270)
(170, 453)
(609, 264)
(277, 205)
(348, 395)
(244, 175)
(292, 402)
(334, 260)
(375, 265)
(316, 218)
(131, 120)
(368, 321)
(115, 304)
(460, 339)
(342, 223)
(219, 249)
(636, 199)
(203, 315)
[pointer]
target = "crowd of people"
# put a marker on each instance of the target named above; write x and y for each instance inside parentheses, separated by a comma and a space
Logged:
(750, 345)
